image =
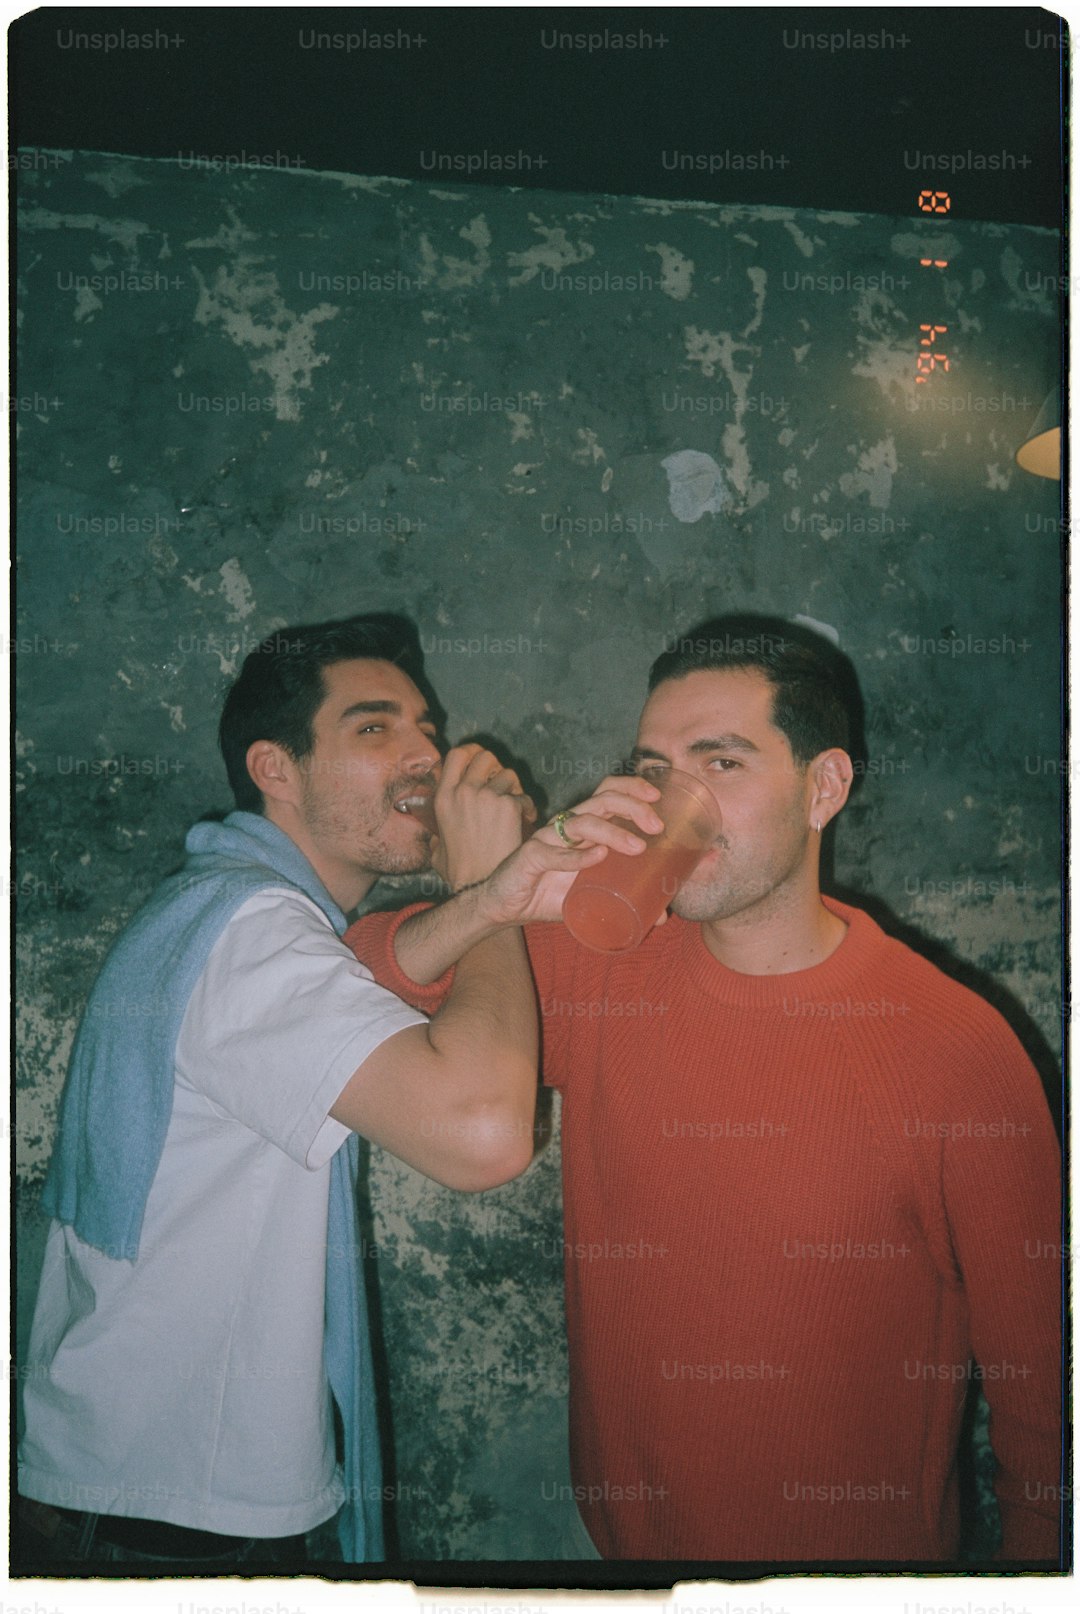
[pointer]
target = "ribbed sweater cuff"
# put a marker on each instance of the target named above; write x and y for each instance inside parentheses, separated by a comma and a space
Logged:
(373, 940)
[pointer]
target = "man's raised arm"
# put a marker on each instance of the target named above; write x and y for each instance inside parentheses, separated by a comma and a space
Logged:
(456, 1098)
(528, 885)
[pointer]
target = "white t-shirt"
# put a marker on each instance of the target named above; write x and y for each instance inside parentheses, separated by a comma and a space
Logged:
(189, 1385)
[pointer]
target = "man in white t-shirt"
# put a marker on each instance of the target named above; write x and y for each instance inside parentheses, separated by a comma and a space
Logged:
(177, 1407)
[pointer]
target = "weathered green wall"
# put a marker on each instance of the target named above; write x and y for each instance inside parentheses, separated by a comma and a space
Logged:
(294, 395)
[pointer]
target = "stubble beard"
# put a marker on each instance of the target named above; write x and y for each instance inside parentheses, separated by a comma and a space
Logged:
(351, 829)
(733, 890)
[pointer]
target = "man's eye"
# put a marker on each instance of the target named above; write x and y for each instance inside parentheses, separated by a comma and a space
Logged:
(725, 764)
(372, 728)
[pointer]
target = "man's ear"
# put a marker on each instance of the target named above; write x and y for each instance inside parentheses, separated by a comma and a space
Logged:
(274, 771)
(831, 774)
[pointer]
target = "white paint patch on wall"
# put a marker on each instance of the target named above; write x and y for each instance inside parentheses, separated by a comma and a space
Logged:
(44, 1034)
(454, 273)
(890, 366)
(695, 485)
(759, 279)
(676, 272)
(556, 251)
(522, 468)
(23, 747)
(87, 304)
(714, 351)
(888, 344)
(229, 238)
(589, 451)
(943, 245)
(802, 241)
(876, 468)
(406, 1195)
(125, 232)
(709, 351)
(248, 305)
(236, 589)
(116, 180)
(1031, 298)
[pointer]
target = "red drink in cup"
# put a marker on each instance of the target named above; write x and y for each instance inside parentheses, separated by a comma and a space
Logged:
(612, 906)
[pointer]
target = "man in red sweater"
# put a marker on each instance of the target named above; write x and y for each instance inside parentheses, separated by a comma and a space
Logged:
(811, 1185)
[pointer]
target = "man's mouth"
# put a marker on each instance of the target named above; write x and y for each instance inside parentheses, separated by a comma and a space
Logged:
(417, 804)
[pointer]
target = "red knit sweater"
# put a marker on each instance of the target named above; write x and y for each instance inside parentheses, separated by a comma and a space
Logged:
(800, 1211)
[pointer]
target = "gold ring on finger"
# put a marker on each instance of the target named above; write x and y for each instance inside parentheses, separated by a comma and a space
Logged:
(558, 823)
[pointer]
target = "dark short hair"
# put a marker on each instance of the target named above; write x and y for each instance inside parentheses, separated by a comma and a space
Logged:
(815, 693)
(280, 687)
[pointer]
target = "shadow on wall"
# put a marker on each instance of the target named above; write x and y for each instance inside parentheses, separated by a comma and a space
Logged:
(978, 980)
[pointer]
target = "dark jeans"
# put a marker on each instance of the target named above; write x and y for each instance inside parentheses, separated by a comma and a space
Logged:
(50, 1540)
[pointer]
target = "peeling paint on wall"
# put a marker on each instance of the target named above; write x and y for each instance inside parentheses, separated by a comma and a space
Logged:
(695, 485)
(677, 272)
(250, 309)
(876, 468)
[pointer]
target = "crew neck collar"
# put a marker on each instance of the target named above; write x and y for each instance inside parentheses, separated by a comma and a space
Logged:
(840, 973)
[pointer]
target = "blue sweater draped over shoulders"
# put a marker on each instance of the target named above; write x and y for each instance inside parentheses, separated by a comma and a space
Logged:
(118, 1097)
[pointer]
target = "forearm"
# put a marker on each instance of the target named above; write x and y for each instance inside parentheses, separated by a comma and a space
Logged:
(429, 943)
(530, 884)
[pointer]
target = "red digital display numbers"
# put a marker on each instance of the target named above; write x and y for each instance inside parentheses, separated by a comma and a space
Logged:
(929, 357)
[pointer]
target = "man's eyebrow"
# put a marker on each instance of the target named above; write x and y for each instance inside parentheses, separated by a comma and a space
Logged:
(722, 742)
(387, 708)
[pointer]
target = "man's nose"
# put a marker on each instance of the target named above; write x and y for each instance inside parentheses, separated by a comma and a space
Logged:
(423, 756)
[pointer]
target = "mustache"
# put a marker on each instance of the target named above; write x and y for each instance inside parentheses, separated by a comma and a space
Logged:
(406, 782)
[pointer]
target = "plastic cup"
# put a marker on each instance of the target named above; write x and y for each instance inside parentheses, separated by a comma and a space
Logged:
(613, 906)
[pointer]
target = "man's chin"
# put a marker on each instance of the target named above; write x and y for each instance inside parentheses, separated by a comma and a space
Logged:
(400, 854)
(694, 913)
(401, 863)
(700, 903)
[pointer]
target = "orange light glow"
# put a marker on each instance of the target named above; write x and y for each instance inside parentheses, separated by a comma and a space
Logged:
(934, 202)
